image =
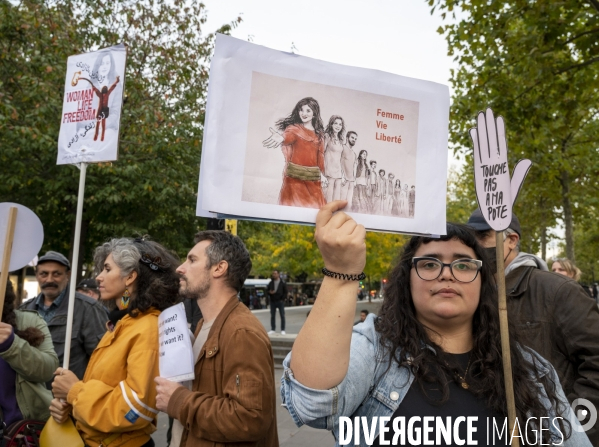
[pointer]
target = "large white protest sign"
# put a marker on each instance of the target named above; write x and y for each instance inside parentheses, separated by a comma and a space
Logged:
(495, 192)
(285, 134)
(91, 110)
(175, 350)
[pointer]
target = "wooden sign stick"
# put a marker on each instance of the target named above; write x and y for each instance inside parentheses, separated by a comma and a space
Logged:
(8, 240)
(505, 342)
(75, 264)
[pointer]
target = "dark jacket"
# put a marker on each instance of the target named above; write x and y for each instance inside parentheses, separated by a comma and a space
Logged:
(193, 314)
(232, 400)
(558, 320)
(89, 326)
(281, 292)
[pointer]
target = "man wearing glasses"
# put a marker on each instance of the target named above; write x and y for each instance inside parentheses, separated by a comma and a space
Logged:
(553, 314)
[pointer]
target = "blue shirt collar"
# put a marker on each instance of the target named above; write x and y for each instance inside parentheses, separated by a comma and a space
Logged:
(55, 304)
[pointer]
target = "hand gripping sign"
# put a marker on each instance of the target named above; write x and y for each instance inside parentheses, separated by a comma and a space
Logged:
(495, 192)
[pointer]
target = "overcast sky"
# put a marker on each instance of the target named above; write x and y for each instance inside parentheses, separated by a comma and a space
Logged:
(397, 36)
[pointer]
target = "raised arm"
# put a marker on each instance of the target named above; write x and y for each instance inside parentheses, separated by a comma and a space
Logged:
(113, 86)
(320, 354)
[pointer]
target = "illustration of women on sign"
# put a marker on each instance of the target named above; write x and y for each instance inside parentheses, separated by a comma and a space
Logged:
(333, 148)
(361, 201)
(103, 72)
(301, 137)
(403, 201)
(395, 210)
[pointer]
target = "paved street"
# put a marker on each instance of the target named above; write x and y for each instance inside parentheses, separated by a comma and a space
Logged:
(296, 316)
(289, 434)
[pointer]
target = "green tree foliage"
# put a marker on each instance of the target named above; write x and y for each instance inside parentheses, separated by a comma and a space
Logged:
(537, 64)
(292, 249)
(152, 188)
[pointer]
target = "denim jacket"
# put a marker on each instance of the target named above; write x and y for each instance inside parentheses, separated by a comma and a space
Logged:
(370, 389)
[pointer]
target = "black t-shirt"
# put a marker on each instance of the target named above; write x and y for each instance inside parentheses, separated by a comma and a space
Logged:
(461, 402)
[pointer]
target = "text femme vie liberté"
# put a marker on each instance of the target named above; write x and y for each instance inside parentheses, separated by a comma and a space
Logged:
(382, 125)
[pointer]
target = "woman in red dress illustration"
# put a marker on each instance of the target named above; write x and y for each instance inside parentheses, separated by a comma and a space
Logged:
(301, 137)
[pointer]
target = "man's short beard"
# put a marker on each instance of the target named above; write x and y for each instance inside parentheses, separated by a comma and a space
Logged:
(195, 294)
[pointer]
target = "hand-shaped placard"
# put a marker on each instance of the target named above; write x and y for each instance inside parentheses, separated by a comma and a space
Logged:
(495, 192)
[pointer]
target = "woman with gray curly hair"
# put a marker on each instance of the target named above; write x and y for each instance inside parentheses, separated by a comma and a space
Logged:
(115, 403)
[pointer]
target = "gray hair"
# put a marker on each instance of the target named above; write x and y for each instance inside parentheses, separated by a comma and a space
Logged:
(124, 252)
(510, 231)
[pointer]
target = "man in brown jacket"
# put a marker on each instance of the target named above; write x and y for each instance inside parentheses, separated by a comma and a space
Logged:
(232, 400)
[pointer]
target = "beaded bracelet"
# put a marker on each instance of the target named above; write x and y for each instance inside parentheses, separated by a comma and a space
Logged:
(344, 276)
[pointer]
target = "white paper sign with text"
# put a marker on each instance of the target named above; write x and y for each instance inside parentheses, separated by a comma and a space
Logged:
(285, 134)
(175, 349)
(91, 109)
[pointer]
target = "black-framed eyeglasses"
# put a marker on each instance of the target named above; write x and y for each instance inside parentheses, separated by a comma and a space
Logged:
(463, 270)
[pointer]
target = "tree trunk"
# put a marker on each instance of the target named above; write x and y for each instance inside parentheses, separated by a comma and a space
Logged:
(568, 221)
(543, 229)
(544, 243)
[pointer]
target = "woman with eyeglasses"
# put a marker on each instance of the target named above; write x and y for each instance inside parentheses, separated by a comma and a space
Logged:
(115, 403)
(433, 353)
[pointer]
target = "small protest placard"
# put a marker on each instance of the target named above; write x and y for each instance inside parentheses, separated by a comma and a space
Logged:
(175, 350)
(91, 110)
(495, 192)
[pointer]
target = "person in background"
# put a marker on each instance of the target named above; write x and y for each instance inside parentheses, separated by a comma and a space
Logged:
(89, 317)
(363, 314)
(115, 403)
(565, 267)
(277, 290)
(27, 360)
(89, 287)
(554, 314)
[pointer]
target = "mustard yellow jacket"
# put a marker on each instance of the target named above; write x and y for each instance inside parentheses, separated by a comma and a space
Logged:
(115, 403)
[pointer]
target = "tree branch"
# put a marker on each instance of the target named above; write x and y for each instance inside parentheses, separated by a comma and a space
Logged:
(583, 64)
(577, 36)
(595, 3)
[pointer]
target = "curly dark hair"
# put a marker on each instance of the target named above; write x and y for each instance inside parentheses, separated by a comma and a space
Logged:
(157, 283)
(294, 117)
(402, 338)
(31, 335)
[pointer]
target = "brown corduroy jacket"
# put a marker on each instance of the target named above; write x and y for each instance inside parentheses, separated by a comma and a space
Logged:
(232, 401)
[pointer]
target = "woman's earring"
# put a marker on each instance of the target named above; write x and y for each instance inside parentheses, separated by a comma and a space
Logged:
(125, 299)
